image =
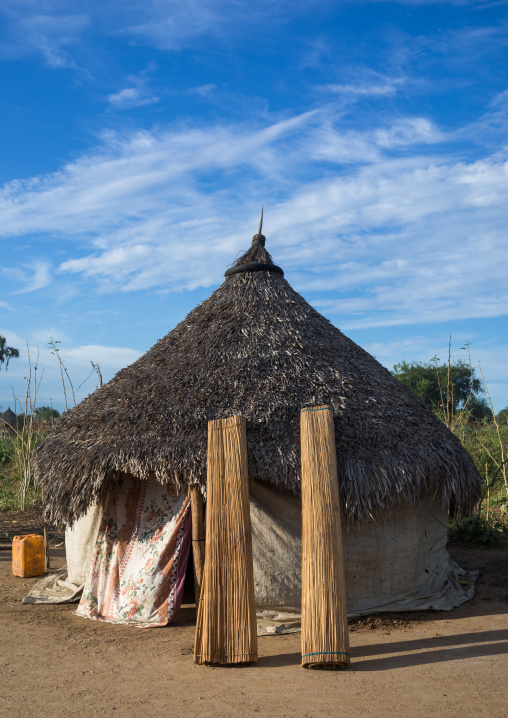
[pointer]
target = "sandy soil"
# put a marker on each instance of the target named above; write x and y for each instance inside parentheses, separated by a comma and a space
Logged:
(53, 663)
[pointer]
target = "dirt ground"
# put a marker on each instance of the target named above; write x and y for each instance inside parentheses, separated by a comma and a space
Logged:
(53, 663)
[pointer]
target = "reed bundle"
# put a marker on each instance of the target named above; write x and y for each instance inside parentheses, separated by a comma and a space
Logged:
(198, 539)
(226, 629)
(325, 636)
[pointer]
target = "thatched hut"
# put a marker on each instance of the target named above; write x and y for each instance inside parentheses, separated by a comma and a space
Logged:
(256, 347)
(9, 422)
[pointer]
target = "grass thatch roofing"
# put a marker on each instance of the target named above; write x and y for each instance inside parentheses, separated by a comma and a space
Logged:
(9, 417)
(9, 422)
(257, 348)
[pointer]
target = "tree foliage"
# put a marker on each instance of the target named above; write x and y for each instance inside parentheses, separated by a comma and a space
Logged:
(6, 353)
(502, 417)
(439, 384)
(46, 413)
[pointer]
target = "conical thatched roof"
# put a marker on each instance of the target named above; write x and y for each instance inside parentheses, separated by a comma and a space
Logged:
(255, 347)
(9, 422)
(9, 417)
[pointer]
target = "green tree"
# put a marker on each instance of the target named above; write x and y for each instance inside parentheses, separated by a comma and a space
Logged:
(6, 353)
(479, 409)
(46, 413)
(502, 417)
(431, 383)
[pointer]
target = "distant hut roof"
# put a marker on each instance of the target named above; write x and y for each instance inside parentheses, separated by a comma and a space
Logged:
(9, 422)
(9, 417)
(254, 347)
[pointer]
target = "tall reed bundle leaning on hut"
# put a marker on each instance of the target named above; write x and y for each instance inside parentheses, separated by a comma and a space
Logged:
(198, 539)
(226, 629)
(325, 636)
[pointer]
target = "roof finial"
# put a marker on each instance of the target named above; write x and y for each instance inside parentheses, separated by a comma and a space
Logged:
(259, 238)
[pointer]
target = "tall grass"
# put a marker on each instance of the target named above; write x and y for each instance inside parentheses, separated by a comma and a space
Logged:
(17, 489)
(486, 441)
(12, 497)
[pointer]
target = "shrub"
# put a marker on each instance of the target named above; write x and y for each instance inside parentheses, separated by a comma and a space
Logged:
(5, 451)
(476, 530)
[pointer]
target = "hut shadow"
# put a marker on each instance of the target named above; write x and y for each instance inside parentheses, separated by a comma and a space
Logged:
(419, 644)
(186, 616)
(443, 648)
(439, 656)
(280, 660)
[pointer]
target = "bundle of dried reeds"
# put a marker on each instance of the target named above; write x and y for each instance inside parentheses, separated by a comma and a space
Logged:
(226, 629)
(325, 636)
(198, 539)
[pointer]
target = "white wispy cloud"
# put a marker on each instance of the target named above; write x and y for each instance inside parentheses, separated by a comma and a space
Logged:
(137, 93)
(202, 90)
(54, 28)
(383, 87)
(111, 359)
(32, 277)
(135, 176)
(383, 238)
(44, 29)
(172, 24)
(131, 97)
(409, 131)
(77, 360)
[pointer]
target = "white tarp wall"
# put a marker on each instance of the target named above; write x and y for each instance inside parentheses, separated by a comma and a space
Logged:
(396, 561)
(65, 585)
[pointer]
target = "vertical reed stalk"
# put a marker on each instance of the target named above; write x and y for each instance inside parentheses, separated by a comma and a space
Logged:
(198, 539)
(488, 488)
(46, 550)
(325, 635)
(226, 629)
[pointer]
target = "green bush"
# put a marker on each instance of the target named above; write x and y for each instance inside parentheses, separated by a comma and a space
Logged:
(10, 484)
(5, 451)
(10, 494)
(481, 440)
(476, 530)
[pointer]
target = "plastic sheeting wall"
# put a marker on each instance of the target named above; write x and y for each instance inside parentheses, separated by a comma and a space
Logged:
(396, 561)
(66, 585)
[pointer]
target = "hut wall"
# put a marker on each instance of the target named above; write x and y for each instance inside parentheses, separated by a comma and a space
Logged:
(80, 544)
(396, 561)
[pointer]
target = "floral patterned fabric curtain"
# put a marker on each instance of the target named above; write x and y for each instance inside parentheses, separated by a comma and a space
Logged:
(138, 566)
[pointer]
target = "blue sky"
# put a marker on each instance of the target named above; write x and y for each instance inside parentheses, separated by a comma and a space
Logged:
(139, 140)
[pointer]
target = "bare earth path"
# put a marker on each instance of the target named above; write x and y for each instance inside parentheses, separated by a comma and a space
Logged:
(53, 663)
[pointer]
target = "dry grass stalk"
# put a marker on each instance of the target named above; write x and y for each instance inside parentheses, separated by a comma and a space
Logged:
(47, 558)
(28, 432)
(198, 539)
(226, 629)
(325, 636)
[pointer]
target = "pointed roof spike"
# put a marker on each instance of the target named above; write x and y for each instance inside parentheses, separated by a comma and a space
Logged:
(256, 258)
(259, 237)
